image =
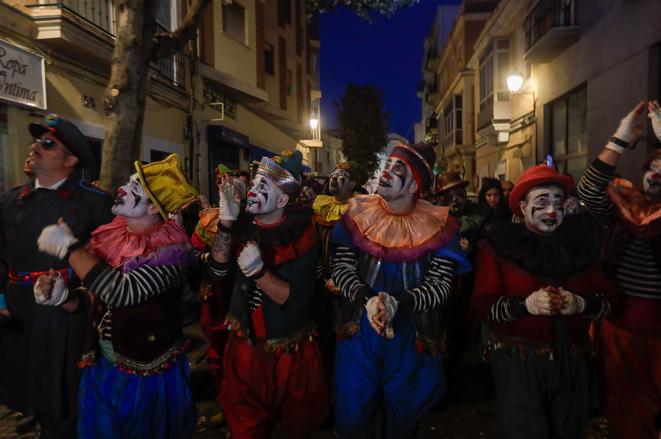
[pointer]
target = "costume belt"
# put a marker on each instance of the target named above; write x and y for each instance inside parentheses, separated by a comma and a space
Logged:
(30, 277)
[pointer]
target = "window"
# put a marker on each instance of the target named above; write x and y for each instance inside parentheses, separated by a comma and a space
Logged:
(169, 67)
(494, 66)
(234, 21)
(451, 124)
(569, 132)
(284, 12)
(290, 81)
(269, 58)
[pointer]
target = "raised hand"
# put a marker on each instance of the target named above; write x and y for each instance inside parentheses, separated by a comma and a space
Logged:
(56, 239)
(655, 116)
(228, 207)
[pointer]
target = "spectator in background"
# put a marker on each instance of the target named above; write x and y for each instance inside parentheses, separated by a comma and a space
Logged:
(491, 194)
(507, 189)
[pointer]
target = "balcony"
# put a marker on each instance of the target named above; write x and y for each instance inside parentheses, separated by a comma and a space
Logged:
(494, 121)
(550, 28)
(85, 29)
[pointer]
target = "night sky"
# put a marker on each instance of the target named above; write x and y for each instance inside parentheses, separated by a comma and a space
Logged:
(386, 53)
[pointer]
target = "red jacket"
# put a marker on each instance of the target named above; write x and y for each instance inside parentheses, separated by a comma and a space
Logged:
(497, 276)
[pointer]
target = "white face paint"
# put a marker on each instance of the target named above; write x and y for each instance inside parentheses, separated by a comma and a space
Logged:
(263, 197)
(132, 200)
(340, 183)
(542, 209)
(652, 179)
(396, 180)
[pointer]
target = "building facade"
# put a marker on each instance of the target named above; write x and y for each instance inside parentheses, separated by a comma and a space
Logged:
(581, 70)
(246, 88)
(455, 105)
(55, 58)
(428, 85)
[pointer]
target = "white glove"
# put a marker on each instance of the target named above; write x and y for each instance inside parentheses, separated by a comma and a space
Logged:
(655, 116)
(381, 310)
(56, 239)
(250, 259)
(50, 290)
(228, 208)
(538, 303)
(628, 130)
(573, 304)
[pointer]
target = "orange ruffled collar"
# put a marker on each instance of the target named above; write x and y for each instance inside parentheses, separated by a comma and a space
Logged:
(398, 237)
(635, 209)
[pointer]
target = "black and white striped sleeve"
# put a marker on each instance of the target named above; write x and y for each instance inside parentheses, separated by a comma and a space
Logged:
(507, 309)
(592, 191)
(216, 270)
(344, 271)
(435, 289)
(138, 286)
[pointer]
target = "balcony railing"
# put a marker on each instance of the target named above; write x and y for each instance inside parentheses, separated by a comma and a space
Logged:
(546, 15)
(98, 12)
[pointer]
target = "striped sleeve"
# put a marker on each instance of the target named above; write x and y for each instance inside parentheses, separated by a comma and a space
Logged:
(436, 288)
(344, 266)
(507, 309)
(216, 270)
(592, 191)
(138, 286)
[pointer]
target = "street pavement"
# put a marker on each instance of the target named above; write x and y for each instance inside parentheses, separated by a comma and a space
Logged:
(468, 413)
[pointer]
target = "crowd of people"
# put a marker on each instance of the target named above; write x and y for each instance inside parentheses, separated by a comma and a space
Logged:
(325, 306)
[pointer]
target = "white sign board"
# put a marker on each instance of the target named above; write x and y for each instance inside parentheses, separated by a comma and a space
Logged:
(22, 78)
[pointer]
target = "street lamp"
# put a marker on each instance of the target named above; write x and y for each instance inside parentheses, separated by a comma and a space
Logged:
(314, 122)
(514, 82)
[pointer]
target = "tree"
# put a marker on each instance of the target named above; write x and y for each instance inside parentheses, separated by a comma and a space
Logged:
(137, 44)
(363, 126)
(362, 8)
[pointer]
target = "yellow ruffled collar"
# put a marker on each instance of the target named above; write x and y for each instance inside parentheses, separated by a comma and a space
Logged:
(327, 210)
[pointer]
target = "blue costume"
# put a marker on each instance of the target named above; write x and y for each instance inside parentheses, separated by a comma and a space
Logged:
(401, 376)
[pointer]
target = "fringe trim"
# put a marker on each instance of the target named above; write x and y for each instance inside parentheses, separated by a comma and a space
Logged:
(527, 348)
(424, 344)
(134, 367)
(274, 345)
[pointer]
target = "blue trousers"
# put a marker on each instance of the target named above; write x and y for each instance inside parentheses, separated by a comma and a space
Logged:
(115, 404)
(375, 373)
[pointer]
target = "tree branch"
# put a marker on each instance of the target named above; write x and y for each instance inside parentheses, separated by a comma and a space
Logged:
(169, 43)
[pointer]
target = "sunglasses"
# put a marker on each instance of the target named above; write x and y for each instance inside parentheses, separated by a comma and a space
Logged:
(46, 143)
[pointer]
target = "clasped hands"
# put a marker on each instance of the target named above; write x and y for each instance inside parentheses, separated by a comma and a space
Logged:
(551, 300)
(381, 310)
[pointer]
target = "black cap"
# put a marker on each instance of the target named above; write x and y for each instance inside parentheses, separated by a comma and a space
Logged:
(67, 133)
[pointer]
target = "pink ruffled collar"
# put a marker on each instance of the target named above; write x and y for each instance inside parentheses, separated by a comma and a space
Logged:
(115, 244)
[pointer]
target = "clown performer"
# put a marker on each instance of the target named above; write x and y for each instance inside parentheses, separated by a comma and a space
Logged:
(629, 344)
(538, 285)
(272, 365)
(135, 381)
(215, 295)
(328, 209)
(394, 262)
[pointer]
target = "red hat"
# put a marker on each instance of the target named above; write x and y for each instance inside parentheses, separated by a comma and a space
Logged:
(540, 175)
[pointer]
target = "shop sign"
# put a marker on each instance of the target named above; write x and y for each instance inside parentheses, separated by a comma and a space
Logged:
(22, 78)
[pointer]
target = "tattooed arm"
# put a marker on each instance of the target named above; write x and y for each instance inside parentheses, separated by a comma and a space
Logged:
(220, 250)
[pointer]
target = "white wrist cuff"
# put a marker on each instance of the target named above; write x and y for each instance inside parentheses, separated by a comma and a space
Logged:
(615, 148)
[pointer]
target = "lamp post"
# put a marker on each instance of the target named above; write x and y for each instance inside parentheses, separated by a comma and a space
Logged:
(515, 82)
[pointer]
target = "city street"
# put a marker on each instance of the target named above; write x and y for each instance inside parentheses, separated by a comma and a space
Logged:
(461, 417)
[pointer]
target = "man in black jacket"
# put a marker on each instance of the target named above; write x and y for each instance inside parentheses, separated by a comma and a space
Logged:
(40, 345)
